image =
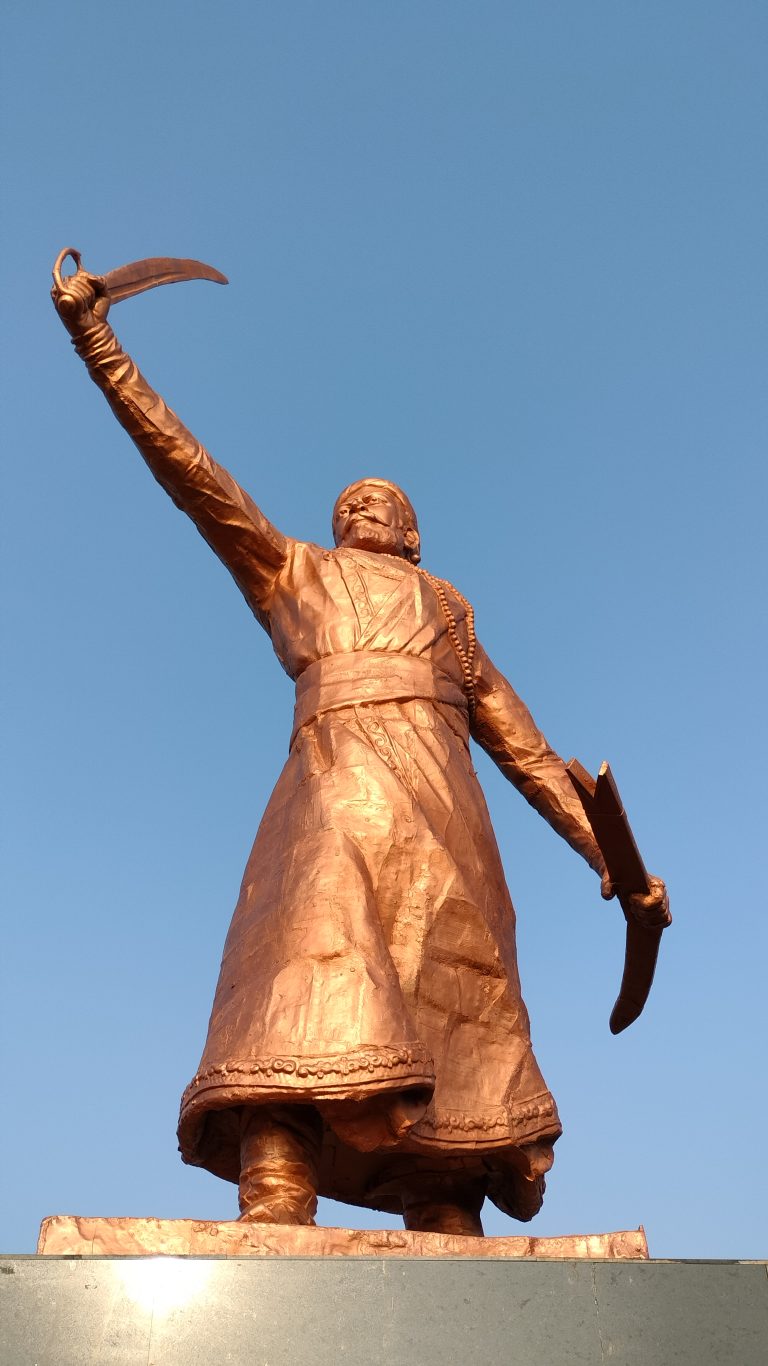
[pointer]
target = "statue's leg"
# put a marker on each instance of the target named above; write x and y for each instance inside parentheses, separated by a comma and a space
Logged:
(279, 1161)
(443, 1202)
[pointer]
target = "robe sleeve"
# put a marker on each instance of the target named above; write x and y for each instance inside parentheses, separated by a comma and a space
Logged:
(253, 550)
(505, 729)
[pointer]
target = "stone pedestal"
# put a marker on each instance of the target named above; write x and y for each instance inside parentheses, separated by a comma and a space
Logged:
(379, 1311)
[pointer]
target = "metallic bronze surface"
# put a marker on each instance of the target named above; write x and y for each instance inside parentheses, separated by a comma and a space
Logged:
(134, 278)
(626, 871)
(368, 1038)
(69, 1235)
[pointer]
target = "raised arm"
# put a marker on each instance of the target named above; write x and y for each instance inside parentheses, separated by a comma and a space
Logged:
(506, 730)
(253, 550)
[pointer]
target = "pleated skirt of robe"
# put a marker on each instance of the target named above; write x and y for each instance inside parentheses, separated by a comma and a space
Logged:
(371, 962)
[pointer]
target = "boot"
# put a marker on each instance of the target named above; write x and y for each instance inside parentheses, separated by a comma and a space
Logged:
(279, 1162)
(447, 1203)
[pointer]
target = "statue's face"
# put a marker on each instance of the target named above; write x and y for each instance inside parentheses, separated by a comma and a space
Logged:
(372, 518)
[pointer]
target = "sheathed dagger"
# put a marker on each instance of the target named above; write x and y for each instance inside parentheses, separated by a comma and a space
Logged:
(134, 278)
(604, 810)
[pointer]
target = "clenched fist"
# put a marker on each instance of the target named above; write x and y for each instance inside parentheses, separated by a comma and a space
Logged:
(81, 299)
(651, 909)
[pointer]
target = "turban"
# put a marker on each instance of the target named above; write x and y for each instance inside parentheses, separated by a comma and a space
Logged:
(396, 492)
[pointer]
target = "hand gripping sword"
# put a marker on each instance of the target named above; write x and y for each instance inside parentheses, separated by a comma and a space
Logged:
(605, 812)
(131, 279)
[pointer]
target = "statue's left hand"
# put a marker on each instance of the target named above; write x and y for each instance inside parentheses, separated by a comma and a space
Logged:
(650, 909)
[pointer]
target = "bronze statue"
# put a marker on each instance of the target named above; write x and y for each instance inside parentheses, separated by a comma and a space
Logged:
(368, 1039)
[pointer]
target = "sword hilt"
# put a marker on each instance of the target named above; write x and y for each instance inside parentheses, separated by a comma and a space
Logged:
(59, 279)
(68, 304)
(71, 303)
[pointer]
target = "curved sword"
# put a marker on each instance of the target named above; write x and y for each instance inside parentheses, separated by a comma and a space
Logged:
(137, 276)
(605, 812)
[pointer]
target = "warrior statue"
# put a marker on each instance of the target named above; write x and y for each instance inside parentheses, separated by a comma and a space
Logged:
(368, 1040)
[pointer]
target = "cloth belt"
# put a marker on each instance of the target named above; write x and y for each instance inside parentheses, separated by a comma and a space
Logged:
(360, 677)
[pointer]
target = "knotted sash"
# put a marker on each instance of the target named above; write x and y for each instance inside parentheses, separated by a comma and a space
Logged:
(361, 677)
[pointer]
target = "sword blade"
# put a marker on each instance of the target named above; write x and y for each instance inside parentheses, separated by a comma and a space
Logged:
(640, 954)
(156, 270)
(605, 812)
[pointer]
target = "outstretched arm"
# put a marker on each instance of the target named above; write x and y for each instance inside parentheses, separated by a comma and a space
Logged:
(507, 732)
(253, 550)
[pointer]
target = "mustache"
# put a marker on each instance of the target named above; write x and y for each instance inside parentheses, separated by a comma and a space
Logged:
(365, 517)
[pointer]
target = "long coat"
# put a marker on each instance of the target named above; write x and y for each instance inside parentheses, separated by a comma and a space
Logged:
(370, 965)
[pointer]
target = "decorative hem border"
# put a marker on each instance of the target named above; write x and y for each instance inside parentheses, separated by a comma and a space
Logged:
(389, 1065)
(495, 1128)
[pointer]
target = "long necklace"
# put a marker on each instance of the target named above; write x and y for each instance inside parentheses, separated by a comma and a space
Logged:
(466, 657)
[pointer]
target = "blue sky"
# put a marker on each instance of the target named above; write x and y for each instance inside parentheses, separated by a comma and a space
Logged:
(511, 255)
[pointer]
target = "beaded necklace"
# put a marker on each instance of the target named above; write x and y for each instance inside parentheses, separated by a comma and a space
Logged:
(466, 657)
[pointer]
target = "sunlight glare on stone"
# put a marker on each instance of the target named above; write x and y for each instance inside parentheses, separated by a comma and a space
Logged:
(160, 1284)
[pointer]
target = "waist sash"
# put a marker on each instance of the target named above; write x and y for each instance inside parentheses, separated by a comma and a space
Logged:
(364, 676)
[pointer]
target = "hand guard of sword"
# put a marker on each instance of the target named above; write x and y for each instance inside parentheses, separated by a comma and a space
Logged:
(80, 299)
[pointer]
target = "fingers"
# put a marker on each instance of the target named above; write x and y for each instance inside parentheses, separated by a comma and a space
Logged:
(651, 909)
(607, 889)
(648, 908)
(74, 298)
(80, 299)
(101, 307)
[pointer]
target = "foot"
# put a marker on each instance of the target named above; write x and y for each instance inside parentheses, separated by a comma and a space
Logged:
(279, 1151)
(432, 1216)
(280, 1210)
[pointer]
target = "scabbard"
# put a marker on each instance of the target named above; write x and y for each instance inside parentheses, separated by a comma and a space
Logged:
(605, 812)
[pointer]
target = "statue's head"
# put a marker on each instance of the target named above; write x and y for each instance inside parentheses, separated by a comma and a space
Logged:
(374, 514)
